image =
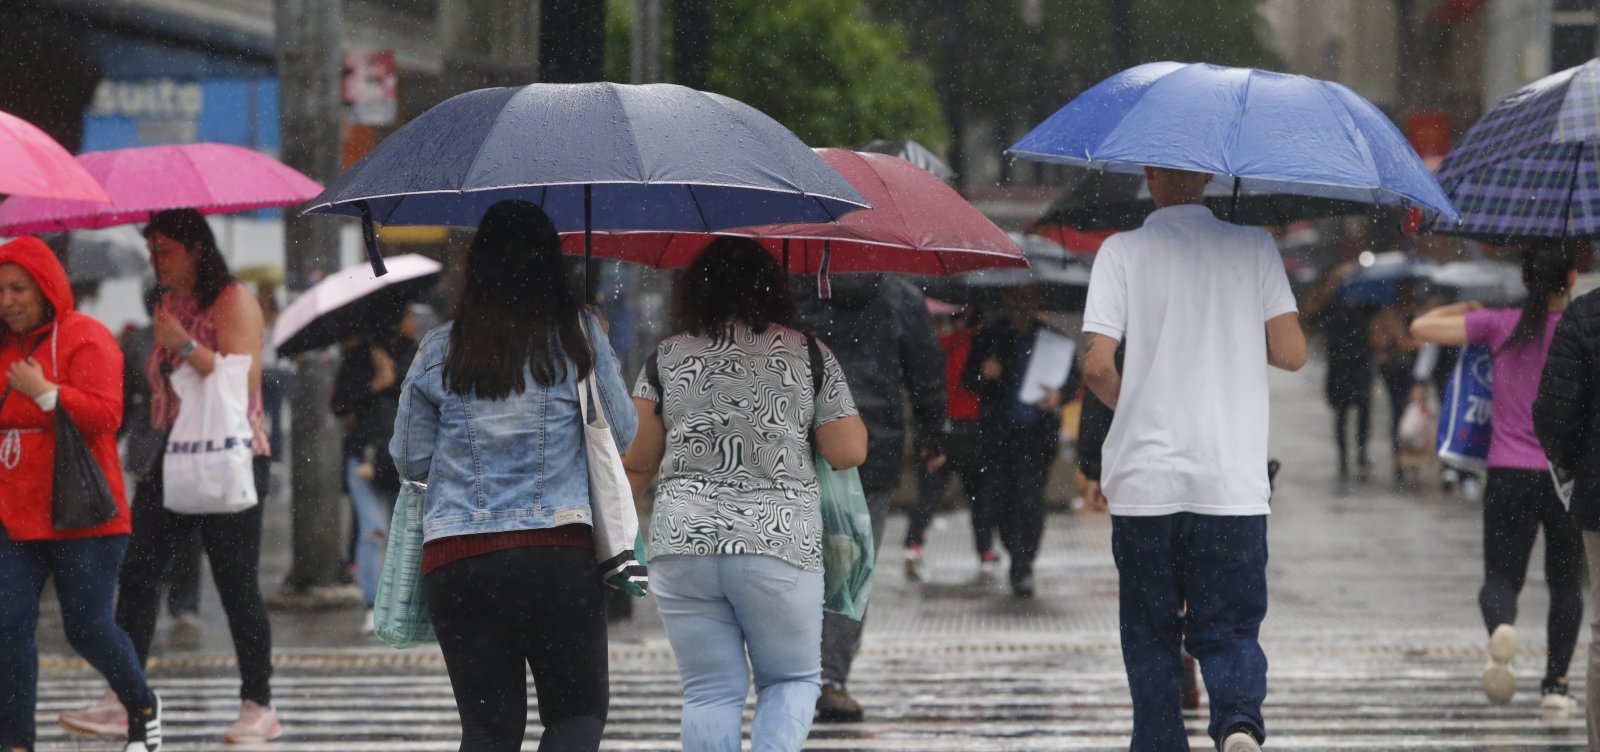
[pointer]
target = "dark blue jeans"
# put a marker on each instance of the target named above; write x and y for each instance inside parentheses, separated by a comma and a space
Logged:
(85, 571)
(1217, 566)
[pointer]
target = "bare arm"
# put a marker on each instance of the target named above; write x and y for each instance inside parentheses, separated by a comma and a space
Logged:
(1286, 342)
(240, 329)
(1446, 325)
(643, 458)
(843, 442)
(1100, 369)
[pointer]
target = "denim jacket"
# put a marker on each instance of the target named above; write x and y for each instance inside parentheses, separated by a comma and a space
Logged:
(494, 466)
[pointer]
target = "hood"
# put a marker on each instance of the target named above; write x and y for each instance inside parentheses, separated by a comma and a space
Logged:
(41, 263)
(853, 290)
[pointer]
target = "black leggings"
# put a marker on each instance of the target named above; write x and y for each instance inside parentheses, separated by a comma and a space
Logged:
(232, 544)
(1516, 504)
(543, 607)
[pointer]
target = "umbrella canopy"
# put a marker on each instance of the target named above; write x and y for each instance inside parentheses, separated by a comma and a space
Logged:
(1257, 131)
(35, 165)
(1492, 283)
(96, 257)
(917, 225)
(601, 156)
(1378, 282)
(1118, 201)
(1062, 279)
(1527, 168)
(144, 180)
(912, 152)
(352, 301)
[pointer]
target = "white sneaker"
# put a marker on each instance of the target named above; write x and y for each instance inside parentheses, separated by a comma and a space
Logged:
(369, 623)
(1240, 741)
(1499, 683)
(916, 568)
(1557, 706)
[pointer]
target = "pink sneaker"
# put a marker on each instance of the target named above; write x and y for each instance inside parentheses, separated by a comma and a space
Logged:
(257, 724)
(106, 719)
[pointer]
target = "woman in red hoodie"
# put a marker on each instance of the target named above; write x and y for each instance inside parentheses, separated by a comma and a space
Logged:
(55, 358)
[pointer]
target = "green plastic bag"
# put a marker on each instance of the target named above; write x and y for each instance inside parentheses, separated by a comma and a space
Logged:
(399, 613)
(847, 553)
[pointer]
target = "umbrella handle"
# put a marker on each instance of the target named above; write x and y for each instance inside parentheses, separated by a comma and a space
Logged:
(369, 236)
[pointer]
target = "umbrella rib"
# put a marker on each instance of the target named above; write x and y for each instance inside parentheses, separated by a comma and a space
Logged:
(698, 208)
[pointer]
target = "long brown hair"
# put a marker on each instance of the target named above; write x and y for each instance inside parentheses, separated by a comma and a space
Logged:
(190, 228)
(516, 311)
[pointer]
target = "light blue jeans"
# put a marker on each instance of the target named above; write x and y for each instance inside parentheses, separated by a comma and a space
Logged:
(372, 527)
(727, 616)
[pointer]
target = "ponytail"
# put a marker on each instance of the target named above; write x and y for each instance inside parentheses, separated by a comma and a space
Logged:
(1544, 271)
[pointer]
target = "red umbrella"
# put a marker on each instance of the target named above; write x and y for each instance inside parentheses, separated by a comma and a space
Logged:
(917, 225)
(33, 164)
(213, 178)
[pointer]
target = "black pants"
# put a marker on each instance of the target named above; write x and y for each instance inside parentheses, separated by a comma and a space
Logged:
(542, 607)
(1015, 468)
(1341, 415)
(1516, 504)
(962, 459)
(232, 544)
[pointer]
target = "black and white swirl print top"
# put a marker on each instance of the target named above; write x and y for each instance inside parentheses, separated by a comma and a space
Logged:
(738, 476)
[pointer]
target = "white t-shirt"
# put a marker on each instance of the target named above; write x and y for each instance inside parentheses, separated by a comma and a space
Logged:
(1192, 294)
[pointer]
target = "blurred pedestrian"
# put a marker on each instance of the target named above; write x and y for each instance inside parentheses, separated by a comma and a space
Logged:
(1348, 382)
(1019, 440)
(275, 371)
(1518, 498)
(206, 313)
(878, 326)
(144, 446)
(366, 396)
(725, 409)
(508, 565)
(962, 457)
(1566, 418)
(1394, 351)
(1205, 308)
(53, 357)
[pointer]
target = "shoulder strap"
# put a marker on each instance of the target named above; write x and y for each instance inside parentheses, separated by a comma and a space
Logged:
(816, 364)
(652, 374)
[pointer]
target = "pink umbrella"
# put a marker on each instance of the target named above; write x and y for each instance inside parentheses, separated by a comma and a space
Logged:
(917, 225)
(35, 165)
(213, 178)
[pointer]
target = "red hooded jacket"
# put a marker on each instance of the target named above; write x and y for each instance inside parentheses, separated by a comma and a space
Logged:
(82, 358)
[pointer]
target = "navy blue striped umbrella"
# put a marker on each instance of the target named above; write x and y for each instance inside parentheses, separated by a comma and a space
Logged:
(1527, 169)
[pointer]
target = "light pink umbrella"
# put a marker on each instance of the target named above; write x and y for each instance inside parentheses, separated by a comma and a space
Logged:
(33, 164)
(213, 178)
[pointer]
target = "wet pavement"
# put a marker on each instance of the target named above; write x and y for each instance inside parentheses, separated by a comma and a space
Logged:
(1373, 634)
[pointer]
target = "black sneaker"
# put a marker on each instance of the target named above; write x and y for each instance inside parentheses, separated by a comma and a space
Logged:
(144, 734)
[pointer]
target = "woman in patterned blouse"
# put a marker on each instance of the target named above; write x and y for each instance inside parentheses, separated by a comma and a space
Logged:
(729, 414)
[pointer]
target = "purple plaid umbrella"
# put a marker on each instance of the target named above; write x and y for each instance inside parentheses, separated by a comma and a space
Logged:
(1528, 168)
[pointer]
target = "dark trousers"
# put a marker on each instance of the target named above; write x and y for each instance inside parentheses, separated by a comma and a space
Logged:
(232, 544)
(1516, 504)
(1363, 429)
(1218, 567)
(540, 607)
(85, 572)
(962, 460)
(1015, 468)
(183, 577)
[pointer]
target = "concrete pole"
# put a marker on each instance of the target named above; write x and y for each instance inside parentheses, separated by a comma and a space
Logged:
(310, 71)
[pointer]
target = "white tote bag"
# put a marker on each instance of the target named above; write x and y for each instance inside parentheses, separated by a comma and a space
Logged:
(207, 468)
(616, 522)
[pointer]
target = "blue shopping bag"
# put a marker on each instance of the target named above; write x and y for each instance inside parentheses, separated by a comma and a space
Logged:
(1464, 421)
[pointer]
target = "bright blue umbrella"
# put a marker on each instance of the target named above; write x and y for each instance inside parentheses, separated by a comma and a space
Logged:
(1256, 130)
(597, 156)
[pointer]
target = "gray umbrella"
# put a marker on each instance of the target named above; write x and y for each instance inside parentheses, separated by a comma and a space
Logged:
(914, 153)
(97, 257)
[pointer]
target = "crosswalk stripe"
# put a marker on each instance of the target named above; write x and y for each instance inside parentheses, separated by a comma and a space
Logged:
(1021, 702)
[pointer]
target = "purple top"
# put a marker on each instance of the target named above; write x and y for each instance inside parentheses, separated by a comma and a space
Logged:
(1512, 443)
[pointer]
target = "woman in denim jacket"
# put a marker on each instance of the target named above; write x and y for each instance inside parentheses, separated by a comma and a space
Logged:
(489, 418)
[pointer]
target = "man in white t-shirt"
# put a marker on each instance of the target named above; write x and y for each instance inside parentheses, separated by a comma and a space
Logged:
(1205, 308)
